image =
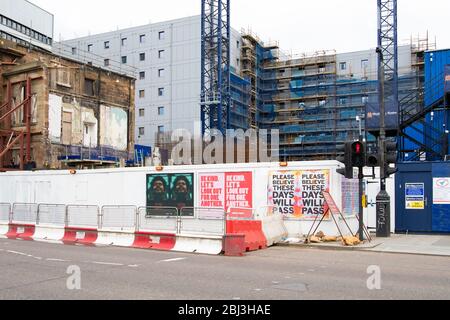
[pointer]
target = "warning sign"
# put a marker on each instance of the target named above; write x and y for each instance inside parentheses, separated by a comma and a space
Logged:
(415, 196)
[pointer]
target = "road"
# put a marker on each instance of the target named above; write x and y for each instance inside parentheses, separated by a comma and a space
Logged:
(33, 270)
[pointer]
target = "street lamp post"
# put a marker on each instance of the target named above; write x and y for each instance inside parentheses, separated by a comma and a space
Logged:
(383, 198)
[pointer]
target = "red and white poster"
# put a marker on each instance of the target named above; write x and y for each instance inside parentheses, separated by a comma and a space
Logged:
(232, 191)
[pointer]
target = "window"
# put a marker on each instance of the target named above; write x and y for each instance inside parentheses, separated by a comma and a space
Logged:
(238, 62)
(161, 73)
(237, 44)
(106, 62)
(364, 64)
(142, 56)
(74, 51)
(161, 129)
(365, 99)
(141, 94)
(124, 59)
(142, 131)
(124, 42)
(342, 101)
(142, 38)
(161, 54)
(90, 47)
(160, 92)
(160, 111)
(322, 102)
(142, 75)
(106, 44)
(89, 87)
(141, 113)
(162, 35)
(343, 66)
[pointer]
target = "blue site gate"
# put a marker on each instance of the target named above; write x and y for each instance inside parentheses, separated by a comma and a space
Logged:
(423, 197)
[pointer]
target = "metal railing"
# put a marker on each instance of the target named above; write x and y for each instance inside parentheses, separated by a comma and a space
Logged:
(51, 214)
(5, 212)
(118, 218)
(83, 216)
(24, 213)
(186, 221)
(205, 221)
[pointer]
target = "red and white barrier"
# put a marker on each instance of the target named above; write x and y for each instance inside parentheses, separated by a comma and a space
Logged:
(114, 238)
(49, 233)
(82, 236)
(212, 245)
(4, 228)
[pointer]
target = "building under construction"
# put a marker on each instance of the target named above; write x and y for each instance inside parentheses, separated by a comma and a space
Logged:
(317, 100)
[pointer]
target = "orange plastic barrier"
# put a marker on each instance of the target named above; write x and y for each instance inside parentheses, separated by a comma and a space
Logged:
(253, 231)
(80, 236)
(234, 245)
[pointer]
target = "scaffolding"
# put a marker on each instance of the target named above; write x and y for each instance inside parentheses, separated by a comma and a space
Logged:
(15, 138)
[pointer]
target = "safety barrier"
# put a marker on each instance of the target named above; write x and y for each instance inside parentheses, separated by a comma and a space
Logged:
(82, 225)
(198, 230)
(5, 218)
(24, 213)
(118, 218)
(83, 216)
(242, 221)
(51, 220)
(5, 213)
(205, 221)
(51, 214)
(273, 225)
(23, 221)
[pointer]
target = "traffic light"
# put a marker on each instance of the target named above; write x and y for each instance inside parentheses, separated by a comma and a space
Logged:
(373, 160)
(391, 157)
(358, 150)
(345, 157)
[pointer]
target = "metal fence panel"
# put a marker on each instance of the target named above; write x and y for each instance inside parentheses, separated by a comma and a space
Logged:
(52, 214)
(24, 213)
(119, 218)
(5, 212)
(206, 221)
(158, 219)
(82, 216)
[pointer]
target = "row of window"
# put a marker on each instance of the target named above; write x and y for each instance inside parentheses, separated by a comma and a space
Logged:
(161, 112)
(9, 37)
(161, 129)
(124, 41)
(142, 56)
(364, 65)
(25, 30)
(161, 92)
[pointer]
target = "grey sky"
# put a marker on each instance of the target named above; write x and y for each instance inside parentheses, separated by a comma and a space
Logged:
(299, 25)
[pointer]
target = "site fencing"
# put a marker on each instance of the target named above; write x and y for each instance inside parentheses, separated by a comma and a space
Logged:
(122, 218)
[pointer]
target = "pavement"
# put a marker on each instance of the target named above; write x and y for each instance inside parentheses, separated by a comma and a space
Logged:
(429, 245)
(45, 271)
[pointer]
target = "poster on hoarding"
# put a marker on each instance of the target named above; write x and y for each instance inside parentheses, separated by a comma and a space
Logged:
(299, 193)
(170, 190)
(231, 191)
(441, 191)
(415, 196)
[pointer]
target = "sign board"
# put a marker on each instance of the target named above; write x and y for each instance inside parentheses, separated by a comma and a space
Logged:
(232, 191)
(441, 191)
(298, 193)
(330, 203)
(415, 196)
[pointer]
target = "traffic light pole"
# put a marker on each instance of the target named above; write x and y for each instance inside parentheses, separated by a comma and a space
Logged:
(383, 198)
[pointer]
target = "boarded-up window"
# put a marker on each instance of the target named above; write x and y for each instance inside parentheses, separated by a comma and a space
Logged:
(67, 128)
(63, 78)
(89, 87)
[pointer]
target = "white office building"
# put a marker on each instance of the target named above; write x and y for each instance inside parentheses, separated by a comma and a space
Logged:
(23, 22)
(166, 57)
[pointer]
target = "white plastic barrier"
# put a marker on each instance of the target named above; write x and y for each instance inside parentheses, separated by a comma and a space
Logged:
(273, 225)
(212, 245)
(152, 219)
(206, 221)
(118, 218)
(111, 238)
(82, 216)
(24, 213)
